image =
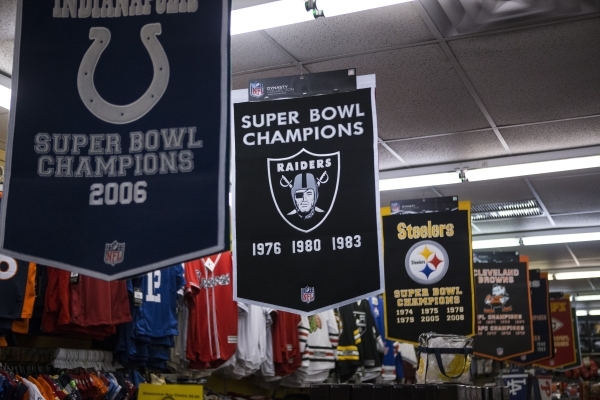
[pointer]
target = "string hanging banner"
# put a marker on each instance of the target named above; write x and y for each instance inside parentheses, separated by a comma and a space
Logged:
(117, 150)
(306, 202)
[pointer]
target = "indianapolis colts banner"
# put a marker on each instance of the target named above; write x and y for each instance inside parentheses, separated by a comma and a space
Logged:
(117, 157)
(429, 274)
(306, 203)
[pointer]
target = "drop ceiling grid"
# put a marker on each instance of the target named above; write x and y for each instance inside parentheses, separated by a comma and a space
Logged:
(394, 25)
(550, 136)
(450, 148)
(536, 74)
(414, 85)
(569, 194)
(252, 51)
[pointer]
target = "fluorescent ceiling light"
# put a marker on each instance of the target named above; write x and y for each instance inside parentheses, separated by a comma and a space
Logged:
(561, 276)
(542, 167)
(581, 313)
(446, 178)
(594, 312)
(509, 209)
(590, 297)
(495, 243)
(568, 238)
(287, 12)
(5, 94)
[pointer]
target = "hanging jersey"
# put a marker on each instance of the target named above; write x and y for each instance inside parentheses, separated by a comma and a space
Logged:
(322, 342)
(388, 371)
(287, 356)
(157, 315)
(348, 354)
(17, 288)
(213, 318)
(372, 343)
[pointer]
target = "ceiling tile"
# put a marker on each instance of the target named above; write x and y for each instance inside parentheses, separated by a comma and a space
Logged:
(413, 91)
(568, 195)
(513, 225)
(575, 286)
(357, 32)
(8, 14)
(388, 196)
(252, 51)
(3, 129)
(547, 255)
(450, 148)
(536, 74)
(553, 136)
(577, 220)
(387, 160)
(241, 81)
(586, 251)
(489, 191)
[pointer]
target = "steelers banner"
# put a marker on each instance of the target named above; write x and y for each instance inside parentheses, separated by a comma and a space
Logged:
(117, 156)
(428, 274)
(504, 322)
(306, 202)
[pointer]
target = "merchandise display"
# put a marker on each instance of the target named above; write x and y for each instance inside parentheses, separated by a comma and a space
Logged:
(210, 201)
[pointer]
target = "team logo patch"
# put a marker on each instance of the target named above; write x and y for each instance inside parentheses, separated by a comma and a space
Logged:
(304, 187)
(556, 324)
(500, 351)
(427, 262)
(257, 89)
(114, 253)
(307, 294)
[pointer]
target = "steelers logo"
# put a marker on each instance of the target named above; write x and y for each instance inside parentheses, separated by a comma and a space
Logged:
(427, 262)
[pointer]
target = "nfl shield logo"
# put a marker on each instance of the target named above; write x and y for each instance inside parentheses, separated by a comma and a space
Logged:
(500, 351)
(114, 253)
(307, 294)
(256, 89)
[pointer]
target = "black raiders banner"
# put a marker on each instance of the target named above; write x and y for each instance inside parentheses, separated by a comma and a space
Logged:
(306, 202)
(542, 321)
(428, 274)
(504, 323)
(117, 157)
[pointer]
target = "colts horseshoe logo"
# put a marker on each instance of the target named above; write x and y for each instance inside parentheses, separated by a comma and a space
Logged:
(131, 112)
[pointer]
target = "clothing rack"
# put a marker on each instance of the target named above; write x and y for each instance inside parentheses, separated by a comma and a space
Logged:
(56, 358)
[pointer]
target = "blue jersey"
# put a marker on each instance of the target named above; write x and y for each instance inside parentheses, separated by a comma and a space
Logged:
(390, 361)
(156, 317)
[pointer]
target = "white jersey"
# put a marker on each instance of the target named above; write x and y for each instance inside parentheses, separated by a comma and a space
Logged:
(252, 342)
(319, 354)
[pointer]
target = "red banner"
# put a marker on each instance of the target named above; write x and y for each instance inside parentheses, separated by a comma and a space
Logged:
(564, 335)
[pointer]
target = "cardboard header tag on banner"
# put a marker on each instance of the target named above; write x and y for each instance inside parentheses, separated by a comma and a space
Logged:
(429, 274)
(117, 156)
(287, 87)
(563, 331)
(504, 321)
(307, 233)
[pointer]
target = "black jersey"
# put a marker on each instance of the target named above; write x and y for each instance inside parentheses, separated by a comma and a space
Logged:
(17, 288)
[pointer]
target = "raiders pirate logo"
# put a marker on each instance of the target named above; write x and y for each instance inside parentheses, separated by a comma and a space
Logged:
(304, 187)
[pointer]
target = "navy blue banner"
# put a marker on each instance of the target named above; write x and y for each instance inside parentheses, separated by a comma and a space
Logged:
(117, 150)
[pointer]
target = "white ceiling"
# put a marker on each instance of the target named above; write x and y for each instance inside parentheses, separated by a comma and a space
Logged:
(446, 100)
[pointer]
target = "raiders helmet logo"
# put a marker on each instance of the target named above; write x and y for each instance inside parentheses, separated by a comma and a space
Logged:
(304, 187)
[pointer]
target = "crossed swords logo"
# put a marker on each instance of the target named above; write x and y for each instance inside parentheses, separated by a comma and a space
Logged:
(284, 182)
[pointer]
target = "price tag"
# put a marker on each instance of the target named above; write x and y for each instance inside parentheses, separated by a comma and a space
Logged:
(138, 297)
(74, 278)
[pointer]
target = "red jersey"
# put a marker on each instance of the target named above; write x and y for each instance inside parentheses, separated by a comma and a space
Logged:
(213, 320)
(287, 356)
